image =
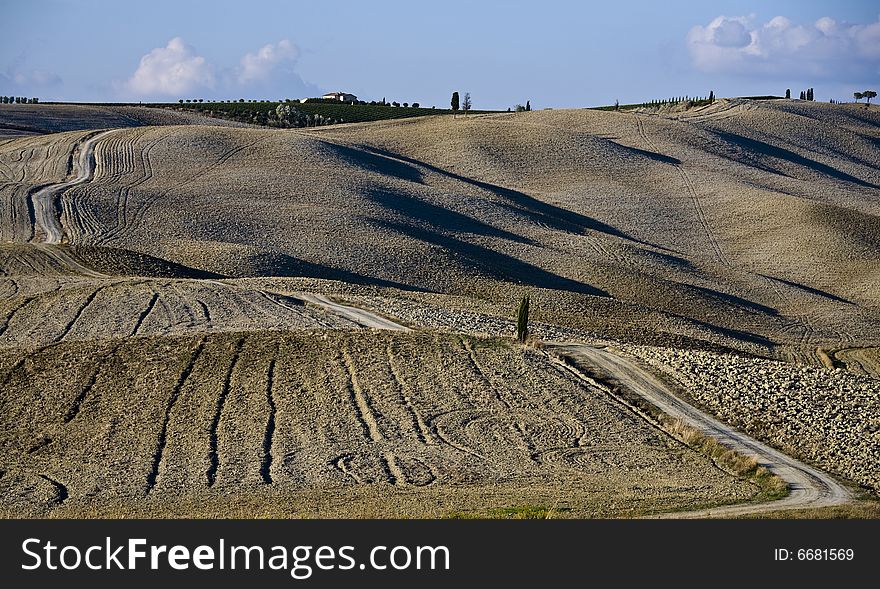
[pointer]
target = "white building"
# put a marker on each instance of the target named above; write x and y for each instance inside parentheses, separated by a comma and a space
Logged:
(340, 96)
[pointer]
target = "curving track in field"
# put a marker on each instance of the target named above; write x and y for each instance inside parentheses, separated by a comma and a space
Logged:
(44, 200)
(809, 487)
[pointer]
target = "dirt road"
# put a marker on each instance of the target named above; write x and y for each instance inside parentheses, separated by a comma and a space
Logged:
(359, 316)
(809, 487)
(43, 200)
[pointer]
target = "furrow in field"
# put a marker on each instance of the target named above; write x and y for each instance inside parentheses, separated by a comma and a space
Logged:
(11, 314)
(153, 474)
(142, 316)
(478, 369)
(213, 457)
(123, 223)
(143, 208)
(79, 313)
(364, 411)
(269, 434)
(692, 193)
(78, 401)
(419, 427)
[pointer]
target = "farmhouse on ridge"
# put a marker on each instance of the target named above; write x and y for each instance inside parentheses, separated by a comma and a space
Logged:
(340, 96)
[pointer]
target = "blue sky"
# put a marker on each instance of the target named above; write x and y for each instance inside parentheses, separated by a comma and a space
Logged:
(554, 53)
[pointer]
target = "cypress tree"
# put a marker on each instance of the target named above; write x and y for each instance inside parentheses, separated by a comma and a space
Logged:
(454, 101)
(522, 319)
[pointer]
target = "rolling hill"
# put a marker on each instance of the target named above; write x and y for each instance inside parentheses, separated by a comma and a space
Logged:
(742, 229)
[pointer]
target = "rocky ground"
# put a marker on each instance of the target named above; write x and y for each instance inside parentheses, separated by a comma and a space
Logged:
(829, 417)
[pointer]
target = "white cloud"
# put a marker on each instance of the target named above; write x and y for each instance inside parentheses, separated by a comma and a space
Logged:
(270, 59)
(825, 48)
(173, 70)
(177, 71)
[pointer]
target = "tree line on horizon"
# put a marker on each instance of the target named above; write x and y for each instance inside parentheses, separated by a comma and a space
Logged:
(18, 100)
(382, 102)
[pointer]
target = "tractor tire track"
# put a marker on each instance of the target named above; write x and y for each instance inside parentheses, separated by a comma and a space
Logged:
(478, 368)
(364, 412)
(435, 430)
(123, 224)
(75, 407)
(153, 474)
(144, 314)
(11, 315)
(147, 204)
(392, 470)
(213, 457)
(419, 427)
(43, 201)
(343, 464)
(268, 436)
(692, 192)
(79, 312)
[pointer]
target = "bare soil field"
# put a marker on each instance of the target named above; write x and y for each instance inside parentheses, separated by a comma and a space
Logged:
(160, 272)
(178, 421)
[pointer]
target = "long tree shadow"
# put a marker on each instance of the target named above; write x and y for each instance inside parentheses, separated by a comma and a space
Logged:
(492, 263)
(809, 289)
(723, 297)
(375, 162)
(519, 202)
(277, 264)
(657, 157)
(765, 149)
(437, 217)
(745, 336)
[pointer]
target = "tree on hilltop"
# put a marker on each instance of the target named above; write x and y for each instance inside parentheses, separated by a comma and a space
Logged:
(466, 103)
(869, 94)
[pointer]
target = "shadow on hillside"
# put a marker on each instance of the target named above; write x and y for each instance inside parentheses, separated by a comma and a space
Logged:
(439, 218)
(376, 162)
(124, 262)
(657, 157)
(737, 301)
(765, 149)
(279, 265)
(492, 263)
(809, 289)
(743, 336)
(521, 203)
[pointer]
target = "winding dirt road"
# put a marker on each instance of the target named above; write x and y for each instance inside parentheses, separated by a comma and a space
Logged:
(809, 487)
(43, 200)
(359, 316)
